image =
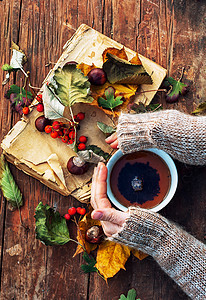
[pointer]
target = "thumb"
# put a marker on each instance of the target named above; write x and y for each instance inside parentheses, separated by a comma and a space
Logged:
(110, 215)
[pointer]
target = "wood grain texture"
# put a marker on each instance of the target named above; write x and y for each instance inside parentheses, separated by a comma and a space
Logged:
(169, 32)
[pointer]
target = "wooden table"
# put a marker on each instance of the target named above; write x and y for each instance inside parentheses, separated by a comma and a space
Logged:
(172, 33)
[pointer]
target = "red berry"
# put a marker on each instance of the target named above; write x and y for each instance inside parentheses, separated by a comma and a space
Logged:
(54, 134)
(82, 139)
(72, 134)
(56, 125)
(72, 211)
(25, 110)
(78, 210)
(82, 211)
(80, 116)
(48, 129)
(40, 107)
(67, 217)
(81, 146)
(70, 142)
(60, 133)
(65, 139)
(39, 97)
(65, 130)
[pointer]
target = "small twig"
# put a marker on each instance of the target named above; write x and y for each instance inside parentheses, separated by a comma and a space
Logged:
(182, 73)
(75, 221)
(157, 107)
(159, 90)
(50, 63)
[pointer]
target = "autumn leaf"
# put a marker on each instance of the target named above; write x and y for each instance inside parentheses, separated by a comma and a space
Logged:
(8, 185)
(121, 53)
(110, 102)
(105, 128)
(111, 257)
(139, 254)
(201, 109)
(85, 68)
(135, 60)
(121, 71)
(72, 85)
(83, 225)
(176, 88)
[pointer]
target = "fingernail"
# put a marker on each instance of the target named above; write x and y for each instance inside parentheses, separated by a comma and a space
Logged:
(97, 215)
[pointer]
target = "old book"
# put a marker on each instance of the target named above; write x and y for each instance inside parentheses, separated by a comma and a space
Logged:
(44, 158)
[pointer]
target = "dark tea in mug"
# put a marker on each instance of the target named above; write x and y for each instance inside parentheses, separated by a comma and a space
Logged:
(140, 179)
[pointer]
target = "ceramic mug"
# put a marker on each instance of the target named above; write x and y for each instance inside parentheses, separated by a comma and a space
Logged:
(173, 173)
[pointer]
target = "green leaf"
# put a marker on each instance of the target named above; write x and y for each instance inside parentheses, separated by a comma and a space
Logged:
(8, 185)
(110, 102)
(7, 67)
(122, 71)
(105, 128)
(131, 295)
(176, 88)
(200, 109)
(97, 150)
(51, 228)
(155, 106)
(90, 266)
(72, 85)
(14, 89)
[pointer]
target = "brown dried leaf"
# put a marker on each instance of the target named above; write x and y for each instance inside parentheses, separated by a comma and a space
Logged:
(111, 257)
(118, 52)
(135, 60)
(85, 68)
(86, 223)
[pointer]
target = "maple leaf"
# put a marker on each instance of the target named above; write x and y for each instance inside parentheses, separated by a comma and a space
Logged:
(111, 257)
(176, 88)
(110, 102)
(90, 264)
(121, 71)
(72, 85)
(131, 295)
(139, 254)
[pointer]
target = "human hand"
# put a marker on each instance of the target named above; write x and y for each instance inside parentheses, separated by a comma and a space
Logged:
(112, 140)
(111, 219)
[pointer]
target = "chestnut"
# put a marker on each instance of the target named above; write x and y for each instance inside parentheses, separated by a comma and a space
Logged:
(41, 122)
(77, 166)
(97, 76)
(94, 234)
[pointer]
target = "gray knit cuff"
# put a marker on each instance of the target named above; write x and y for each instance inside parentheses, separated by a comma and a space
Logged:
(143, 230)
(134, 131)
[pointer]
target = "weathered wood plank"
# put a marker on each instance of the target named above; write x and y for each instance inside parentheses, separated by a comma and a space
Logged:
(169, 33)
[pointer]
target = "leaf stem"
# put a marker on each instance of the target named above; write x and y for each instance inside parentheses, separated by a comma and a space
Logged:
(182, 73)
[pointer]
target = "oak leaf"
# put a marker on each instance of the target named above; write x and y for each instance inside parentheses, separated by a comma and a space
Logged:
(111, 257)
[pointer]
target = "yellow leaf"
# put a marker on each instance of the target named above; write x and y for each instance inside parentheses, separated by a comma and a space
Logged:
(139, 254)
(111, 257)
(83, 225)
(135, 60)
(85, 68)
(118, 52)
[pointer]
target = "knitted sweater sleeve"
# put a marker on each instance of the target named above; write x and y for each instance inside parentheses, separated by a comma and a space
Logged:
(178, 253)
(181, 135)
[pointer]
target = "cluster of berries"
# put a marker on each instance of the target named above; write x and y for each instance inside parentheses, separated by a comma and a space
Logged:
(72, 211)
(67, 131)
(39, 107)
